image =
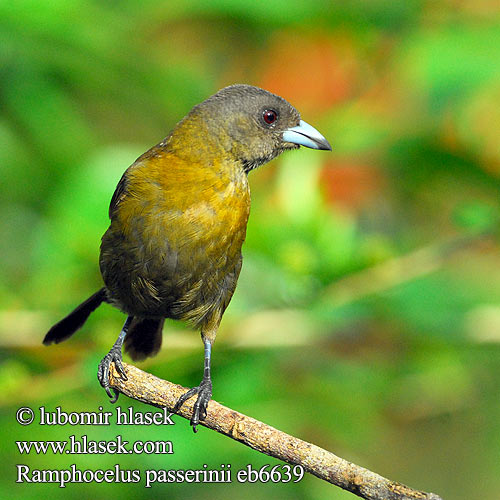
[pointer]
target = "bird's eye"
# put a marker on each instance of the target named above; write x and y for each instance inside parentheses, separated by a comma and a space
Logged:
(270, 116)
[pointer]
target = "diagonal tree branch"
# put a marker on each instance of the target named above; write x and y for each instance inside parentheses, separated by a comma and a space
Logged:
(154, 391)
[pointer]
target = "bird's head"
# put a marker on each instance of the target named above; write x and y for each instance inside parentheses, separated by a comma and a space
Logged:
(251, 125)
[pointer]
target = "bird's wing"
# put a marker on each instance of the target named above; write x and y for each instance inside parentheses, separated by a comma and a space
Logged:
(118, 195)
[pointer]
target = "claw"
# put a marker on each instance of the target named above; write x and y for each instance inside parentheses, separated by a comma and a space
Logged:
(114, 399)
(120, 369)
(184, 398)
(204, 391)
(113, 356)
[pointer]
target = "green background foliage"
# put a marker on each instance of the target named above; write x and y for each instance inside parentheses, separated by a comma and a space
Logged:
(367, 316)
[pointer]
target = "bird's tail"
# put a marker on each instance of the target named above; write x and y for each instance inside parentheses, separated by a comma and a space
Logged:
(144, 337)
(74, 320)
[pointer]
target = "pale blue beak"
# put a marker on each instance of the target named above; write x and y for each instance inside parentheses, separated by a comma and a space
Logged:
(307, 136)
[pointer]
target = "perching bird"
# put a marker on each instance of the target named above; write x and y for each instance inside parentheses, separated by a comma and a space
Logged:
(178, 221)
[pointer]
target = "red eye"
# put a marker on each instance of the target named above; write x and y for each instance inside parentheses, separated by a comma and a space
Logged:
(270, 116)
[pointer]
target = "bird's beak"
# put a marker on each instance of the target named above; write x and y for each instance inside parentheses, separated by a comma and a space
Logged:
(307, 136)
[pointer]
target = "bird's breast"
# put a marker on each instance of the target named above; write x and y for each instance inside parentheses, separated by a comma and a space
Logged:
(174, 246)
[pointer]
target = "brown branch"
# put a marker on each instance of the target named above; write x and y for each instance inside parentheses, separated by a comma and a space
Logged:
(154, 391)
(398, 270)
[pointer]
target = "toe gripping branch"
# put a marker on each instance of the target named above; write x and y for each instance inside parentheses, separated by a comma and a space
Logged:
(204, 391)
(114, 356)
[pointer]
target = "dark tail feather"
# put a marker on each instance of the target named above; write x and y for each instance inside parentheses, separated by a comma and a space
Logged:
(74, 320)
(144, 337)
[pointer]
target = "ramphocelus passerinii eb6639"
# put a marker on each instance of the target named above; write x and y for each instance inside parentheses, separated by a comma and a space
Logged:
(178, 220)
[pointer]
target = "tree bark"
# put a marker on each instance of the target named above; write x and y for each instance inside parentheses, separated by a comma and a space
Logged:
(154, 391)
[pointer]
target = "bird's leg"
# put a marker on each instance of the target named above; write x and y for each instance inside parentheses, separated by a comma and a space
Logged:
(114, 356)
(204, 391)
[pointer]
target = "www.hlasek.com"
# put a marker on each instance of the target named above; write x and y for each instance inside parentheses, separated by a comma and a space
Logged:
(82, 445)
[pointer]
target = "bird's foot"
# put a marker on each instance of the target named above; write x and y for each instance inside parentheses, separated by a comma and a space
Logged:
(204, 391)
(113, 356)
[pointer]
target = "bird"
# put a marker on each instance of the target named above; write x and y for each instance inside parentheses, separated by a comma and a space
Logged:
(178, 220)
